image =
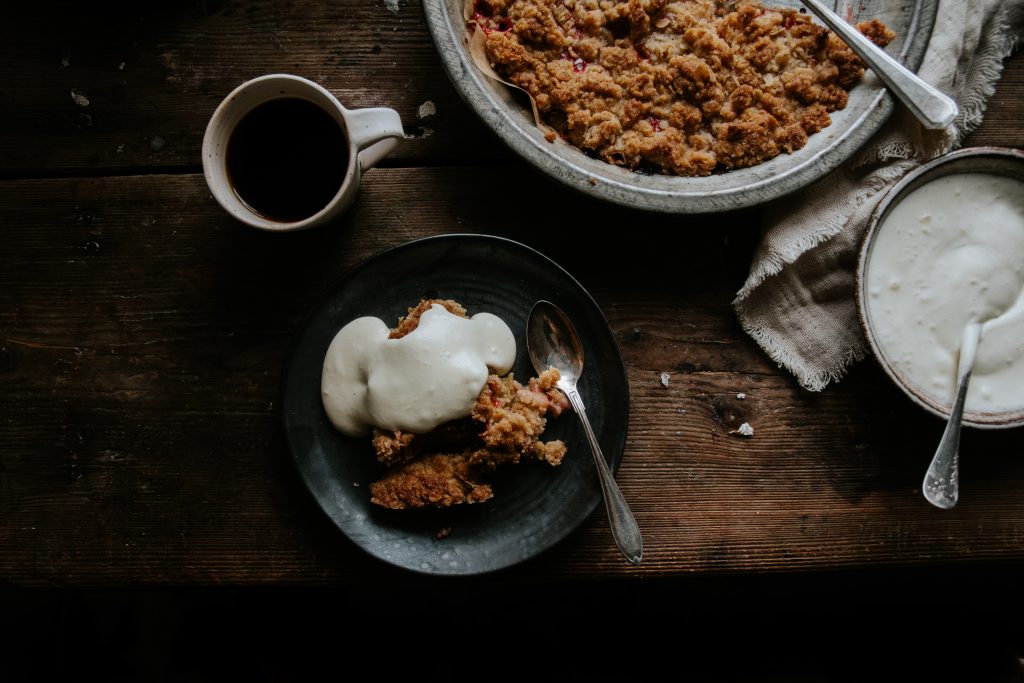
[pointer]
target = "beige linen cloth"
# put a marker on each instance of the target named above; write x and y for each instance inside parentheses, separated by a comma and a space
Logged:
(798, 301)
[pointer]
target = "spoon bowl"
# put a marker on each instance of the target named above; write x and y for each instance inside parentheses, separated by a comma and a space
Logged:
(552, 342)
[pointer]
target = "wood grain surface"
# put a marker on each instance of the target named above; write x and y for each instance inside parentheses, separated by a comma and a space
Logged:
(142, 332)
(154, 72)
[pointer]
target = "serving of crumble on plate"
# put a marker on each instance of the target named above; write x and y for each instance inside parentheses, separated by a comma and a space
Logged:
(534, 505)
(452, 464)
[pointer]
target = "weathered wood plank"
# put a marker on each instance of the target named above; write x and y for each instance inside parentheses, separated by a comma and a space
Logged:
(1001, 125)
(142, 335)
(154, 72)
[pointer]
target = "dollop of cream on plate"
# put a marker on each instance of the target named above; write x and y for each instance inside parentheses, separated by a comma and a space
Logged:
(415, 383)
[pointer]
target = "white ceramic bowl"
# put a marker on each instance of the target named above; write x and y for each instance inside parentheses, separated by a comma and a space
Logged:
(869, 105)
(993, 160)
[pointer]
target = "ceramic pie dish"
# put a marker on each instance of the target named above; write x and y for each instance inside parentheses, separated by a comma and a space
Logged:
(508, 115)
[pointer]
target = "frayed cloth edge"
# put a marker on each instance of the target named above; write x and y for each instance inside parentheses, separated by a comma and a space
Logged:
(815, 379)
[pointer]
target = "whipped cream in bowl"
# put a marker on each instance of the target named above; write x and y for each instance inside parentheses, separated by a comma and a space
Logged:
(944, 250)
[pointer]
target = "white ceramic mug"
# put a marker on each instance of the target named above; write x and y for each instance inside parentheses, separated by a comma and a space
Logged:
(371, 134)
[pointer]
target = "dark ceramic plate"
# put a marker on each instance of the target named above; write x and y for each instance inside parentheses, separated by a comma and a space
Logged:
(534, 506)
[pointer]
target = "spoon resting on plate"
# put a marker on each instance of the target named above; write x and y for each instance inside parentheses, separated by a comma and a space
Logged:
(553, 343)
(941, 486)
(932, 108)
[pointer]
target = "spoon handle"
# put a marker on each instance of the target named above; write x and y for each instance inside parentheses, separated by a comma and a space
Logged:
(941, 485)
(625, 531)
(931, 107)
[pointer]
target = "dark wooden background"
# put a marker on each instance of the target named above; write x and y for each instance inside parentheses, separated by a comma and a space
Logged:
(142, 332)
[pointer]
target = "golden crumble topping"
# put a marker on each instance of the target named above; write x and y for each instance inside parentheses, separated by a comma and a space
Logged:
(687, 87)
(449, 465)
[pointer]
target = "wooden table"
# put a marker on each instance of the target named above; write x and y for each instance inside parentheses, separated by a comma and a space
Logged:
(143, 332)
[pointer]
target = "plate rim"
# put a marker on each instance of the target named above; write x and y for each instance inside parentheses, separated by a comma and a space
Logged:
(614, 455)
(467, 81)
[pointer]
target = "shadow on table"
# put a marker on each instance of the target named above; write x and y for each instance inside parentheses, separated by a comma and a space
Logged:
(953, 624)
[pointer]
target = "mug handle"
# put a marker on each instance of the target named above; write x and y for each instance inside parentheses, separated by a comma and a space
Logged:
(375, 132)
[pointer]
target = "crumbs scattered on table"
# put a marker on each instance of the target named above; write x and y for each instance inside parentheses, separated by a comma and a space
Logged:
(744, 430)
(79, 97)
(741, 396)
(426, 109)
(664, 379)
(392, 6)
(443, 533)
(356, 484)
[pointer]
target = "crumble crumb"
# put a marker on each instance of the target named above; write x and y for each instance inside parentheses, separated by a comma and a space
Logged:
(744, 430)
(664, 379)
(426, 109)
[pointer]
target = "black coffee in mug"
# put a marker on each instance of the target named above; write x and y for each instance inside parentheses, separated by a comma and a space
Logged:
(286, 159)
(279, 152)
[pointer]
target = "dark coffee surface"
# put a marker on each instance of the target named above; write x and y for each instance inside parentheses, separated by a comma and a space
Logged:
(287, 158)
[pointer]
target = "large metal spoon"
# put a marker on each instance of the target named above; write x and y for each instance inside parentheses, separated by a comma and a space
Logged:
(553, 343)
(941, 485)
(931, 107)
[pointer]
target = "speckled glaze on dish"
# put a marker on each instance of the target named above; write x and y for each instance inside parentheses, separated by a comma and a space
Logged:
(534, 506)
(994, 160)
(504, 112)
